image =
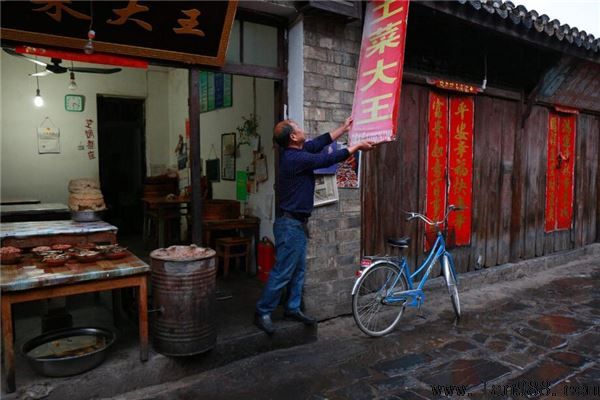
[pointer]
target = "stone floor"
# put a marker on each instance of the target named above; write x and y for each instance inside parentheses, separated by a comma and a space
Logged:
(528, 327)
(122, 370)
(535, 336)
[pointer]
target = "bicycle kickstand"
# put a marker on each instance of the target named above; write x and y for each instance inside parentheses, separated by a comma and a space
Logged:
(419, 310)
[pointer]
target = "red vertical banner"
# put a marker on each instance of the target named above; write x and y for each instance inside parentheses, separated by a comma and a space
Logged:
(379, 78)
(437, 161)
(565, 171)
(460, 166)
(560, 175)
(551, 173)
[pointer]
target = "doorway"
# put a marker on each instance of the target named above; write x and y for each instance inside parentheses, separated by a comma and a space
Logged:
(122, 160)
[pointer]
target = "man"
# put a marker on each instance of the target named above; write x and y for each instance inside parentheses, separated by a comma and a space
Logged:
(295, 186)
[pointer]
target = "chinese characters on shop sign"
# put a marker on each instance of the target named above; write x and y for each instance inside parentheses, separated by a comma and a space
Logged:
(189, 31)
(379, 79)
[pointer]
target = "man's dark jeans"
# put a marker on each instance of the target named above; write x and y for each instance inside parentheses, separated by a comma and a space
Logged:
(290, 266)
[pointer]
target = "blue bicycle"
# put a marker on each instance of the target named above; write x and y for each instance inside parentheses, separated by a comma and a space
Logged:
(385, 286)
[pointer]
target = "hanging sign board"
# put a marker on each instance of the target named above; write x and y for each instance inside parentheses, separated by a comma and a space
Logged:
(454, 86)
(48, 137)
(195, 32)
(377, 93)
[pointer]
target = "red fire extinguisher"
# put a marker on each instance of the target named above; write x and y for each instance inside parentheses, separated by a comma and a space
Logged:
(266, 258)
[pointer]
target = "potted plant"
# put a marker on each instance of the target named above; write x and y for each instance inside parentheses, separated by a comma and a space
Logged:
(248, 129)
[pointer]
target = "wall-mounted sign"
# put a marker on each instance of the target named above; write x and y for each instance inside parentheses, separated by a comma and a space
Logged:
(454, 86)
(48, 136)
(377, 93)
(216, 90)
(566, 110)
(195, 32)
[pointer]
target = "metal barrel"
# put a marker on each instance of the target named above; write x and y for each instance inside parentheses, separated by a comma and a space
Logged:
(184, 294)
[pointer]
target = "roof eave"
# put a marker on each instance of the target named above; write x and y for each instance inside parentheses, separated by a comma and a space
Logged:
(506, 26)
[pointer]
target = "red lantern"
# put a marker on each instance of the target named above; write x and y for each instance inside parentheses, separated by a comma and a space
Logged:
(266, 258)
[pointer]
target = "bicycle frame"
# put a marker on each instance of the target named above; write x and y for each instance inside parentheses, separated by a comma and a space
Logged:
(413, 297)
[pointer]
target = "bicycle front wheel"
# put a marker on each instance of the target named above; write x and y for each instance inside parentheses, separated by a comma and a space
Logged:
(452, 286)
(372, 316)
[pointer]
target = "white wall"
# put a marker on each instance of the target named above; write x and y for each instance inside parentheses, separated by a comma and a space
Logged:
(158, 116)
(296, 73)
(25, 173)
(226, 120)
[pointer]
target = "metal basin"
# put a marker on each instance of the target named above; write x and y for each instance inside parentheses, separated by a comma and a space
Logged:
(69, 351)
(86, 215)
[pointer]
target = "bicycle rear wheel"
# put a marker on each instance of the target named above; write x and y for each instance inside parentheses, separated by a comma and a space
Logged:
(372, 316)
(452, 286)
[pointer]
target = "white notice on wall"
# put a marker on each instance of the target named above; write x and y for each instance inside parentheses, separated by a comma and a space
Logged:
(48, 139)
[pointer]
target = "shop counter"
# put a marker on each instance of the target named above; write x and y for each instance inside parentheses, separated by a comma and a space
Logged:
(32, 280)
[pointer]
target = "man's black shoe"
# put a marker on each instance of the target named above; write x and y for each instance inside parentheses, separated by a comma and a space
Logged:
(300, 317)
(265, 323)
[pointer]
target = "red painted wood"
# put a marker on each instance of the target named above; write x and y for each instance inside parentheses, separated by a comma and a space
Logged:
(437, 161)
(566, 169)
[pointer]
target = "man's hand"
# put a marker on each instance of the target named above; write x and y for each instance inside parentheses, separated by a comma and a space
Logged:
(347, 124)
(343, 128)
(364, 145)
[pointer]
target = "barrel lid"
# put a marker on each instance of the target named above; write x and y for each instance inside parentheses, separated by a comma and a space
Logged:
(182, 253)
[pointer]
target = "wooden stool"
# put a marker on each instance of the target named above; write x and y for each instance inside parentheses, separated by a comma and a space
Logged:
(233, 247)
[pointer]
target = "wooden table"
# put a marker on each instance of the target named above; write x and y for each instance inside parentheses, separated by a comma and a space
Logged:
(45, 233)
(30, 280)
(18, 201)
(34, 212)
(163, 206)
(251, 224)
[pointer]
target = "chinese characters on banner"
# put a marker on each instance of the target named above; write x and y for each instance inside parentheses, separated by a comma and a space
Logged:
(437, 159)
(460, 166)
(450, 163)
(377, 93)
(560, 172)
(89, 135)
(187, 31)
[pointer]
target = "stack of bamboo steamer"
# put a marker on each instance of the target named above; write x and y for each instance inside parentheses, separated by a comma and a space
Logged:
(85, 195)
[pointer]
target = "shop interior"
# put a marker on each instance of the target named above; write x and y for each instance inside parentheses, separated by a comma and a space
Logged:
(130, 131)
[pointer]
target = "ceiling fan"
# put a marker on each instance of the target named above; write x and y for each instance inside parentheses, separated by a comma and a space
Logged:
(56, 68)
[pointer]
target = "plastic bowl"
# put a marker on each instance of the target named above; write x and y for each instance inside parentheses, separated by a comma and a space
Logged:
(55, 260)
(116, 254)
(71, 361)
(61, 247)
(10, 258)
(88, 256)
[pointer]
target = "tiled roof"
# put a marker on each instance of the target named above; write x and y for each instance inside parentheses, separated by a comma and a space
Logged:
(519, 15)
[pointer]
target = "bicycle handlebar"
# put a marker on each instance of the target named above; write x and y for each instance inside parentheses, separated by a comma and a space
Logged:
(413, 215)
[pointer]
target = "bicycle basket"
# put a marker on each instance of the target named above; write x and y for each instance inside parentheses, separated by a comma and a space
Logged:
(450, 237)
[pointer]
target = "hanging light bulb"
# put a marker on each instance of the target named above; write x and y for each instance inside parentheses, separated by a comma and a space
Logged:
(89, 46)
(72, 84)
(38, 101)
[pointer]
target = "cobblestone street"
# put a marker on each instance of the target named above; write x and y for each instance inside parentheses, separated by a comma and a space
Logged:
(533, 335)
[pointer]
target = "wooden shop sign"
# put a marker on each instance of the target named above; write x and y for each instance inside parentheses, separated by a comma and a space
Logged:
(194, 32)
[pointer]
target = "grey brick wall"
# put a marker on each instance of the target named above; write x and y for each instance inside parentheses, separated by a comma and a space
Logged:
(331, 50)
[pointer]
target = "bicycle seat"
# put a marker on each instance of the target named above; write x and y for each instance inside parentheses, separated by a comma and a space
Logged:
(402, 242)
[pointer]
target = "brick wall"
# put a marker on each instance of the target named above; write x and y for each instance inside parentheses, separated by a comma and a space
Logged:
(331, 51)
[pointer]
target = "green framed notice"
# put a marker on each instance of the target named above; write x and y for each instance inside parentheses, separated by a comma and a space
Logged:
(216, 91)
